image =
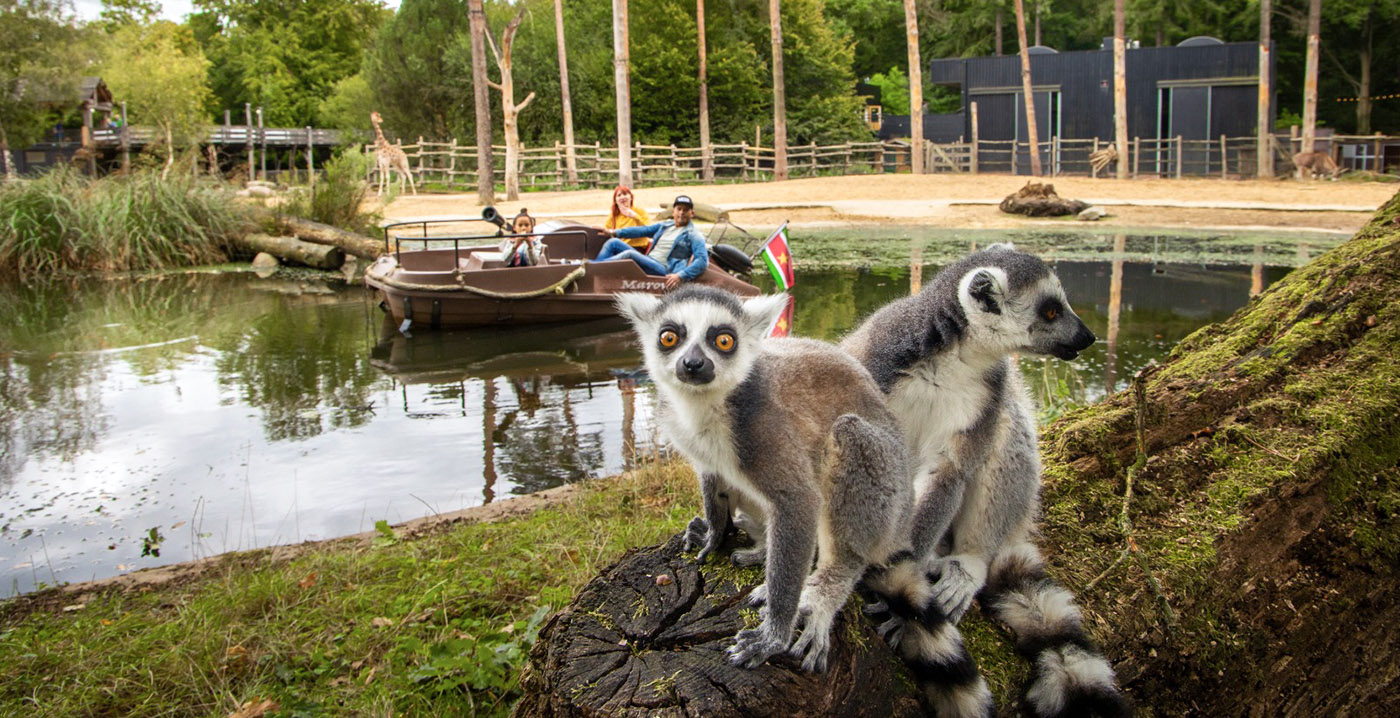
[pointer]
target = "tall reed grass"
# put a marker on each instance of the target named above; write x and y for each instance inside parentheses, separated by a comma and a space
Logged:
(338, 194)
(63, 221)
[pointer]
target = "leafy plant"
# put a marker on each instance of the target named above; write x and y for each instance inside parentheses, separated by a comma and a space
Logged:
(336, 197)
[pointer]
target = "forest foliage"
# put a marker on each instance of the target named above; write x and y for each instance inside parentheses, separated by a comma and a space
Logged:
(327, 63)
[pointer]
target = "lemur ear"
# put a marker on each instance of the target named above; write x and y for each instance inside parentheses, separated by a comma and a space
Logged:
(637, 307)
(763, 310)
(986, 290)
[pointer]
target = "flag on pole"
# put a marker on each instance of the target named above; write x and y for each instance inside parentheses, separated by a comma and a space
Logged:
(778, 258)
(782, 325)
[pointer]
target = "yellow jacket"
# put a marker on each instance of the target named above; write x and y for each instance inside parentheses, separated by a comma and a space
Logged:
(622, 220)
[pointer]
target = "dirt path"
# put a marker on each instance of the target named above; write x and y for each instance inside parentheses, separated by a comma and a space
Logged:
(942, 200)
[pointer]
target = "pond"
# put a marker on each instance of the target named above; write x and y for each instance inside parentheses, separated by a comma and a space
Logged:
(163, 418)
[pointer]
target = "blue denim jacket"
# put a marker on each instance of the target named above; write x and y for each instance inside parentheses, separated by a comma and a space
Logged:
(688, 257)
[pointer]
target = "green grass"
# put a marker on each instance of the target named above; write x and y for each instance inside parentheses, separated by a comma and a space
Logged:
(437, 624)
(65, 222)
(337, 196)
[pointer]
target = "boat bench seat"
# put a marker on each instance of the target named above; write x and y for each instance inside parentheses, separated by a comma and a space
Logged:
(481, 260)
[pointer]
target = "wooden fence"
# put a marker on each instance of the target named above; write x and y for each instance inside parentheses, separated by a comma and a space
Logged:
(452, 166)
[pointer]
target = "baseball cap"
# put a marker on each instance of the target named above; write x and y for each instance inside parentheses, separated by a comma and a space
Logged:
(685, 200)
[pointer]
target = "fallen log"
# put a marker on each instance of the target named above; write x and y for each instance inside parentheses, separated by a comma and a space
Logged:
(1037, 199)
(318, 233)
(291, 249)
(648, 637)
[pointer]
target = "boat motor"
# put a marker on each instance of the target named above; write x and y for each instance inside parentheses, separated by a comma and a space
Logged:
(491, 215)
(731, 259)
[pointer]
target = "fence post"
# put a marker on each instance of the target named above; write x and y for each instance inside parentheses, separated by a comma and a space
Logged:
(262, 145)
(126, 139)
(1055, 161)
(310, 160)
(675, 165)
(1180, 145)
(1093, 171)
(744, 161)
(1224, 165)
(1137, 155)
(1014, 149)
(248, 138)
(1377, 156)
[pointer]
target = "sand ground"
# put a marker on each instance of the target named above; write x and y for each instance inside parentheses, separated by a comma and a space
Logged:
(969, 201)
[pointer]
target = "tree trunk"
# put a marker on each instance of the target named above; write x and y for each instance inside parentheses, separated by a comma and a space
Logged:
(1264, 148)
(510, 111)
(622, 80)
(648, 637)
(1120, 87)
(916, 88)
(1363, 97)
(998, 22)
(775, 26)
(1031, 135)
(169, 151)
(1264, 461)
(1310, 76)
(5, 155)
(707, 158)
(481, 100)
(292, 249)
(570, 158)
(317, 233)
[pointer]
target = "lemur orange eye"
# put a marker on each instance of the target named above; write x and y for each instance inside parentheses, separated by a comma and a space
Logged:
(669, 339)
(1050, 314)
(725, 342)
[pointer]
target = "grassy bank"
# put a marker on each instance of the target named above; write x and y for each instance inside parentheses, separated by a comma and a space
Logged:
(65, 222)
(429, 625)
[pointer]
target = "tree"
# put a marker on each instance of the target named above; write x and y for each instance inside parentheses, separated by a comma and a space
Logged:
(916, 89)
(780, 169)
(1359, 19)
(1264, 148)
(420, 69)
(570, 161)
(349, 104)
(621, 80)
(1120, 88)
(1027, 89)
(38, 61)
(894, 90)
(1310, 77)
(283, 55)
(509, 107)
(161, 72)
(485, 169)
(707, 170)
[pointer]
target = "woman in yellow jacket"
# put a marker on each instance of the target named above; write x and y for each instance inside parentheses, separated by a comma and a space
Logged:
(623, 214)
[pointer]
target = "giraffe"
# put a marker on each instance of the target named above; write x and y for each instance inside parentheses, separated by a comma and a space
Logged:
(389, 157)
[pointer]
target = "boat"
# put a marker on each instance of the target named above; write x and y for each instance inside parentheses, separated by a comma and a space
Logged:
(435, 275)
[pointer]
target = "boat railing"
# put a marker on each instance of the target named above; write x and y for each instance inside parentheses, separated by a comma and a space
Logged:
(393, 241)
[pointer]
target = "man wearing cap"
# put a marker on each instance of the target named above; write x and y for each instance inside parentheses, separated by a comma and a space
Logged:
(677, 249)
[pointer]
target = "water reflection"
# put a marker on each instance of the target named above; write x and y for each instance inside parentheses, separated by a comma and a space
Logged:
(230, 412)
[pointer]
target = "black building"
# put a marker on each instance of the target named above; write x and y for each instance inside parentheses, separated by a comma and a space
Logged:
(1198, 90)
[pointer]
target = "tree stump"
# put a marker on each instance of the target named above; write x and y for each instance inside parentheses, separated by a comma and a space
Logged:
(1038, 199)
(648, 637)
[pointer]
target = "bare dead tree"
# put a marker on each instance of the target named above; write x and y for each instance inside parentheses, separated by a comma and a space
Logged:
(916, 88)
(1026, 88)
(570, 158)
(485, 169)
(622, 80)
(775, 23)
(510, 110)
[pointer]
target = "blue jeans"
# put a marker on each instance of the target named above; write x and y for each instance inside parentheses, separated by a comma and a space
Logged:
(618, 249)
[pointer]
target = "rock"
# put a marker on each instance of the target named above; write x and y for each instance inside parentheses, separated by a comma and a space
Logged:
(260, 191)
(1092, 214)
(1038, 199)
(265, 265)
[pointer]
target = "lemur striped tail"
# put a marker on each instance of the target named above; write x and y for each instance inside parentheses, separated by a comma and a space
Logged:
(1069, 675)
(928, 642)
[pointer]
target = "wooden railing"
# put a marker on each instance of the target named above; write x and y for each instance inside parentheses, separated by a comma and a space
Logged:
(451, 165)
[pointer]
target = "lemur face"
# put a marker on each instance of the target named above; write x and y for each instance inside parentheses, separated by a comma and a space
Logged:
(699, 339)
(1021, 307)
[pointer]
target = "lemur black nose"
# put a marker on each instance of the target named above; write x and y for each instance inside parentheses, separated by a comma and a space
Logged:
(693, 364)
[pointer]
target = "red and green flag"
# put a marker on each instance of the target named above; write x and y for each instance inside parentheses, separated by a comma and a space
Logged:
(778, 258)
(782, 325)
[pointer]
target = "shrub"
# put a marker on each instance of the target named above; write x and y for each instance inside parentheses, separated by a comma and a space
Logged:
(338, 193)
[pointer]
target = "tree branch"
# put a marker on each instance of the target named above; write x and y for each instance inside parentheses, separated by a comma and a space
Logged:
(495, 85)
(525, 102)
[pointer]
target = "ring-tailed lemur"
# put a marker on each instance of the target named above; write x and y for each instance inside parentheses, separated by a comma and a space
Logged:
(944, 360)
(794, 433)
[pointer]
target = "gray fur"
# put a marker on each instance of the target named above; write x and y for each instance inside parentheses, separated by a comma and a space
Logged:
(944, 361)
(793, 436)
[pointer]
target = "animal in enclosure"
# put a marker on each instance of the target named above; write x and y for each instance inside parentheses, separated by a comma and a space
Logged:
(389, 157)
(795, 434)
(944, 359)
(1316, 164)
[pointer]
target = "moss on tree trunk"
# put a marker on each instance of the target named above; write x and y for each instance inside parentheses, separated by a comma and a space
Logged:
(1263, 505)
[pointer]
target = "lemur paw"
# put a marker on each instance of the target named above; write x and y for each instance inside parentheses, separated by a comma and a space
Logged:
(960, 577)
(758, 596)
(892, 631)
(700, 534)
(876, 608)
(812, 647)
(749, 556)
(753, 646)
